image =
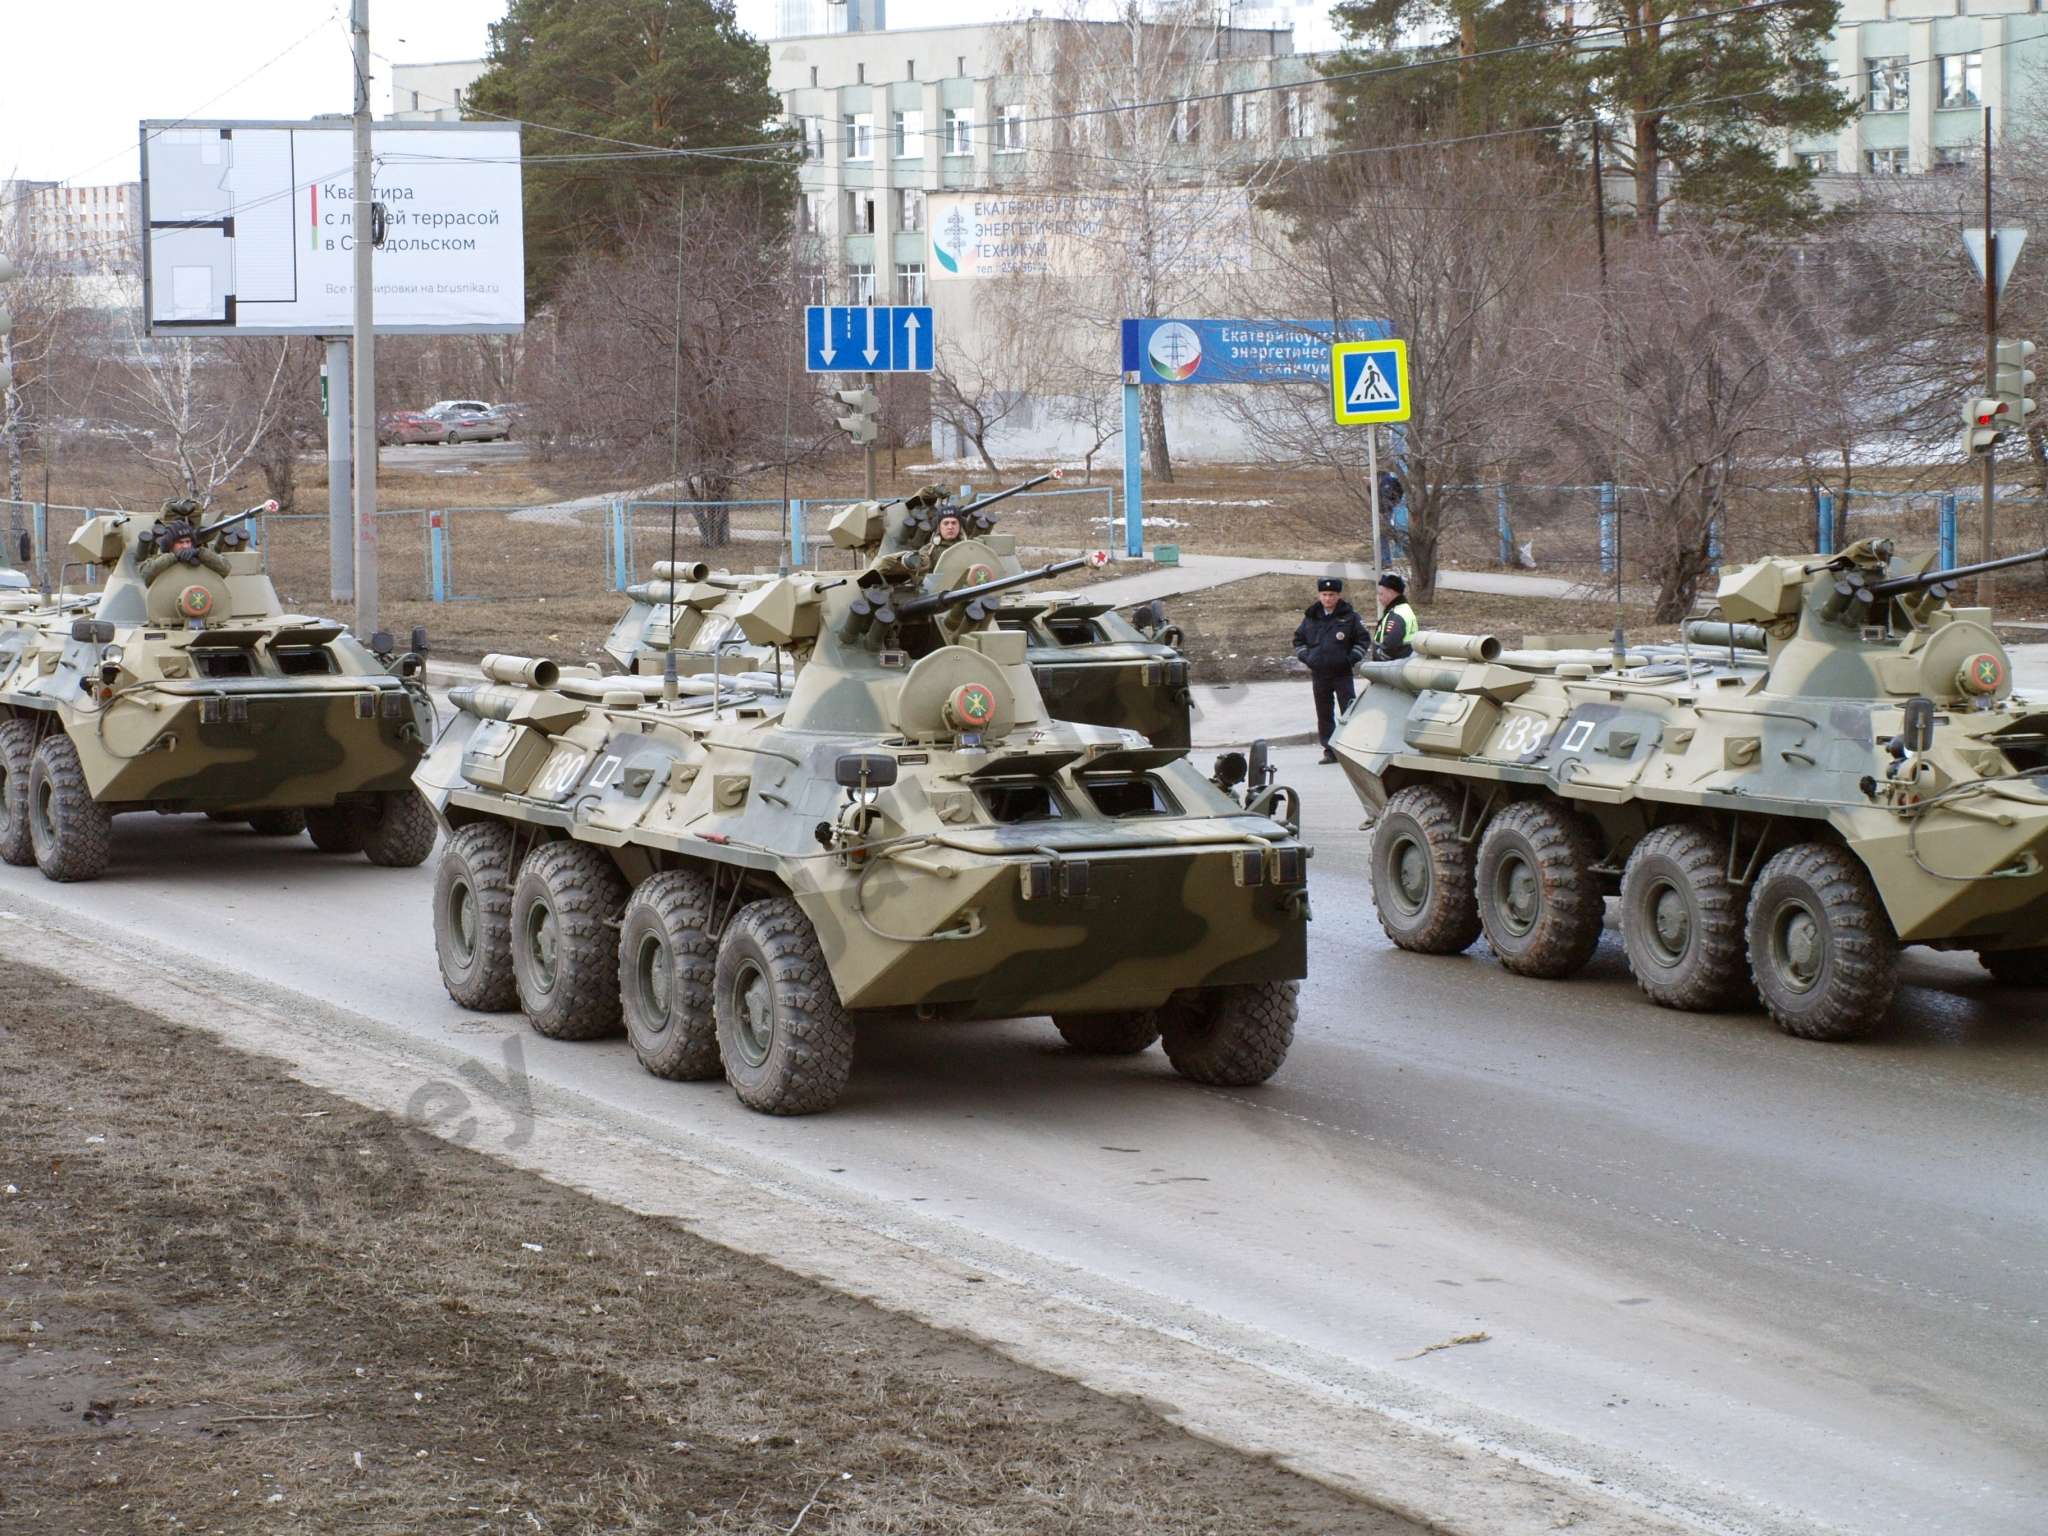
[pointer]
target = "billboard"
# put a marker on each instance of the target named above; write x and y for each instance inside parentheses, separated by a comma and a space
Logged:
(247, 228)
(1195, 232)
(1238, 351)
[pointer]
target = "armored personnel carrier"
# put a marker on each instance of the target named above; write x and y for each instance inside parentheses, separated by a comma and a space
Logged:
(737, 870)
(1092, 663)
(1835, 767)
(182, 686)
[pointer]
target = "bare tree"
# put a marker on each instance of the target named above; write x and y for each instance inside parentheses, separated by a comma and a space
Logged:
(38, 299)
(976, 389)
(193, 414)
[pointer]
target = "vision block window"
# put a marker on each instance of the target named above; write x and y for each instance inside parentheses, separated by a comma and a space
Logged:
(1074, 631)
(223, 664)
(305, 663)
(1014, 800)
(1137, 795)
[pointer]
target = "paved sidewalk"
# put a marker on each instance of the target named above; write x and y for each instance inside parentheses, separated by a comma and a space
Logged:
(1197, 573)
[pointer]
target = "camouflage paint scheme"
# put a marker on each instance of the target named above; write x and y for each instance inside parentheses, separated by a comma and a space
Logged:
(925, 897)
(181, 711)
(1772, 728)
(1092, 664)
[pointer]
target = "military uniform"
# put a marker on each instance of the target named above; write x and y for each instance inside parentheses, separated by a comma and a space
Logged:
(1329, 643)
(1393, 632)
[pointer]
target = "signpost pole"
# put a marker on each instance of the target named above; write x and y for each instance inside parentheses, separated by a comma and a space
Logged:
(872, 381)
(1984, 582)
(1372, 475)
(341, 555)
(1134, 473)
(364, 380)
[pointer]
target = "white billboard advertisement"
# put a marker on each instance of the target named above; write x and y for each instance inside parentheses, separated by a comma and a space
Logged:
(249, 228)
(1194, 231)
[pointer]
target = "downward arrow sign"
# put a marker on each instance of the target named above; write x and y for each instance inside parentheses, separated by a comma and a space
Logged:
(826, 350)
(871, 353)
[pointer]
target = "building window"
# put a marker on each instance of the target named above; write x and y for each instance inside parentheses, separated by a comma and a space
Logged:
(909, 128)
(1186, 127)
(1821, 162)
(813, 131)
(1301, 115)
(860, 136)
(860, 74)
(811, 213)
(910, 69)
(1244, 117)
(960, 64)
(1885, 162)
(909, 209)
(1953, 157)
(814, 77)
(1962, 80)
(415, 101)
(1890, 84)
(458, 98)
(959, 130)
(860, 284)
(910, 283)
(860, 213)
(819, 293)
(1009, 126)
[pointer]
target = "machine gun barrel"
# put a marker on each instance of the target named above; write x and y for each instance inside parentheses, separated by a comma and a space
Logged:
(918, 607)
(1015, 490)
(1899, 585)
(240, 517)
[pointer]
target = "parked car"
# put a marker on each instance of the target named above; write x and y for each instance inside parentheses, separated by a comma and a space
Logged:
(410, 427)
(443, 407)
(466, 423)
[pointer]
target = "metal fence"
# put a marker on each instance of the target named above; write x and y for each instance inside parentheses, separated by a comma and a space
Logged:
(49, 527)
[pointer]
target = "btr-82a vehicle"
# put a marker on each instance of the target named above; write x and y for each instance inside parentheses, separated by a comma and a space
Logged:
(1834, 768)
(182, 686)
(738, 871)
(1092, 663)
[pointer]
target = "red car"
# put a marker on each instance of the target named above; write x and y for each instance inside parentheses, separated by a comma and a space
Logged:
(410, 427)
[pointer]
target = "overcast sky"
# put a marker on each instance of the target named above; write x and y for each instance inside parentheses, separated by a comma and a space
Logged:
(80, 75)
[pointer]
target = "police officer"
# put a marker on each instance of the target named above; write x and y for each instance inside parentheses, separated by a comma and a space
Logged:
(1330, 640)
(1393, 632)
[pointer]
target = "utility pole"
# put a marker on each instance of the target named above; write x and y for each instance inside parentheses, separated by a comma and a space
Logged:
(341, 544)
(870, 381)
(364, 380)
(1989, 486)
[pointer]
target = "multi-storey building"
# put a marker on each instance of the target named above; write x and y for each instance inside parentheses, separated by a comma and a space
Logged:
(435, 92)
(86, 228)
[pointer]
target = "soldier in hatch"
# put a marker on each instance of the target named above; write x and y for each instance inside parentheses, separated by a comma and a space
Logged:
(176, 536)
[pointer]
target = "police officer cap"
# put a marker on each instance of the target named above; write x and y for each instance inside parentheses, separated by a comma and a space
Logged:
(1329, 584)
(1393, 583)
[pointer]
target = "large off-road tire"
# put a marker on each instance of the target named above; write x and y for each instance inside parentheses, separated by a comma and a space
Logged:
(666, 960)
(1230, 1037)
(277, 823)
(73, 834)
(783, 1034)
(1109, 1034)
(399, 830)
(1540, 900)
(17, 753)
(566, 905)
(1422, 873)
(338, 828)
(473, 917)
(1821, 948)
(2016, 967)
(1682, 921)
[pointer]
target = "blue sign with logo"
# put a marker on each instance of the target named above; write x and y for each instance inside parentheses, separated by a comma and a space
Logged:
(868, 338)
(1238, 351)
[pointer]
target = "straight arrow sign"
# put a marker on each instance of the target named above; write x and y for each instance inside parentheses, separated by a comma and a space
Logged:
(870, 353)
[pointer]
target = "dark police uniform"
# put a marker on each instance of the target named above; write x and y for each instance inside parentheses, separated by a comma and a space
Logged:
(1329, 645)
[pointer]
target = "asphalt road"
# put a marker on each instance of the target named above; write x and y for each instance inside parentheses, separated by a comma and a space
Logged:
(1769, 1285)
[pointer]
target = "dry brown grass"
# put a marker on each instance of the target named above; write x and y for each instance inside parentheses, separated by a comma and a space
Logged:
(229, 1302)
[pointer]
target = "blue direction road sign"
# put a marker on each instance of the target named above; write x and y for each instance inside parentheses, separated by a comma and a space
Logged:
(868, 338)
(1369, 382)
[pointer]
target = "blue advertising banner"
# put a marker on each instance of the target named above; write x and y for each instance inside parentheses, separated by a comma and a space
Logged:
(1238, 351)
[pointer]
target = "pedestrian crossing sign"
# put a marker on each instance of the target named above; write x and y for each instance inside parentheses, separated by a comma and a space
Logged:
(1369, 382)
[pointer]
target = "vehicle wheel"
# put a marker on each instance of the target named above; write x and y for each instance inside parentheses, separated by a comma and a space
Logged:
(565, 907)
(72, 834)
(17, 754)
(278, 823)
(226, 818)
(1539, 900)
(1681, 920)
(785, 1039)
(338, 828)
(473, 917)
(1232, 1037)
(2016, 967)
(1109, 1034)
(1422, 873)
(399, 831)
(1821, 948)
(666, 960)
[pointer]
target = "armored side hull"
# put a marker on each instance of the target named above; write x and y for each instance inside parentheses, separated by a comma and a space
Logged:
(1824, 777)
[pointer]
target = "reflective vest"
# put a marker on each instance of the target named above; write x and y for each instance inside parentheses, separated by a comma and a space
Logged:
(1409, 625)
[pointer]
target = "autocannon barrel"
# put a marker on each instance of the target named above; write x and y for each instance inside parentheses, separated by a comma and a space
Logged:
(917, 607)
(534, 671)
(240, 517)
(1015, 490)
(1442, 643)
(1743, 637)
(1899, 585)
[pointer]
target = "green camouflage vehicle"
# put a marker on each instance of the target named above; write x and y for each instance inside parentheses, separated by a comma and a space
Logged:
(1835, 767)
(739, 869)
(1092, 664)
(181, 686)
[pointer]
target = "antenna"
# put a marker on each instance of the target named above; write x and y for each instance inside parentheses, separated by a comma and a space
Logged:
(671, 686)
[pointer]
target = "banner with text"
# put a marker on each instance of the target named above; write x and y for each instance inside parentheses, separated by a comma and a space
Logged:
(1189, 232)
(1238, 351)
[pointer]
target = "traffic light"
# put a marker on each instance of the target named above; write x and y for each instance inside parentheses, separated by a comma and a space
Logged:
(859, 423)
(2011, 384)
(8, 273)
(1985, 418)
